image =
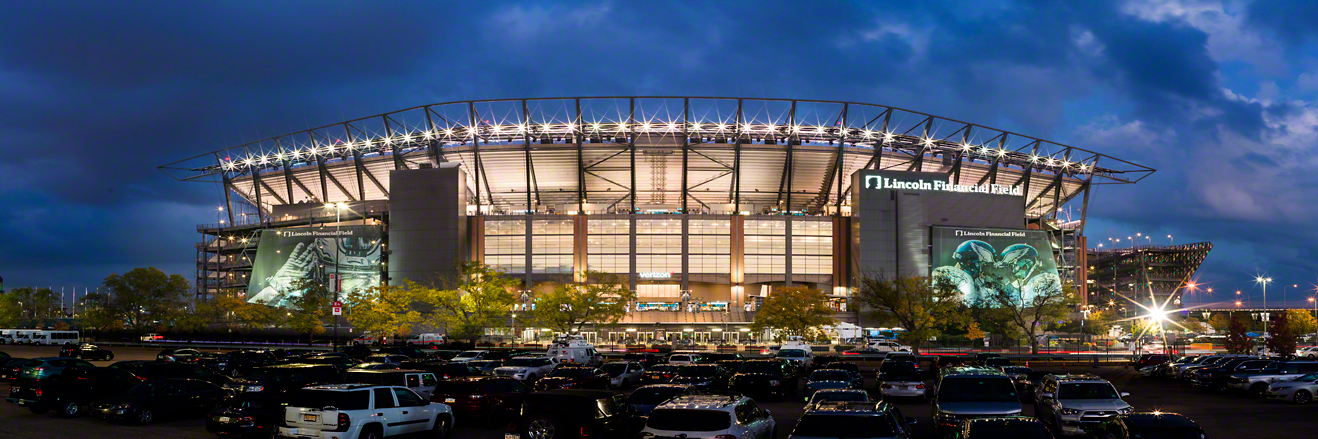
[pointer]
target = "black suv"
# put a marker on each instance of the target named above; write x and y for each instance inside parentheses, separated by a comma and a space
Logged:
(409, 351)
(284, 378)
(86, 351)
(768, 376)
(252, 414)
(71, 390)
(356, 351)
(152, 370)
(853, 419)
(237, 362)
(590, 413)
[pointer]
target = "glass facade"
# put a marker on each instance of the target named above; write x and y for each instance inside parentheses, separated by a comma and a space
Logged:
(551, 249)
(659, 245)
(766, 246)
(709, 246)
(812, 247)
(505, 245)
(608, 245)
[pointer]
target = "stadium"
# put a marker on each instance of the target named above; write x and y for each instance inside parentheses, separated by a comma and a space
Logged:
(702, 204)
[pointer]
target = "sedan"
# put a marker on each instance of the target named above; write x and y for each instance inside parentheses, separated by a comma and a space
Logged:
(87, 352)
(831, 379)
(623, 373)
(574, 378)
(146, 402)
(1299, 390)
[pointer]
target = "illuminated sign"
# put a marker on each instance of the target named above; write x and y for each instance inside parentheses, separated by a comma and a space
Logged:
(655, 275)
(877, 182)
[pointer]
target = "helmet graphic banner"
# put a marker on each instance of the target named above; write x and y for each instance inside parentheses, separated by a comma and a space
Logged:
(980, 262)
(347, 256)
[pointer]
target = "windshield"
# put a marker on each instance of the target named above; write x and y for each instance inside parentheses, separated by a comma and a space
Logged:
(889, 366)
(844, 427)
(265, 374)
(1086, 391)
(977, 389)
(1272, 367)
(679, 358)
(1016, 369)
(1168, 433)
(1013, 432)
(614, 368)
(314, 398)
(902, 377)
(689, 420)
(769, 367)
(654, 396)
(470, 354)
(662, 368)
(572, 372)
(521, 362)
(840, 396)
(791, 353)
(830, 375)
(1308, 378)
(697, 371)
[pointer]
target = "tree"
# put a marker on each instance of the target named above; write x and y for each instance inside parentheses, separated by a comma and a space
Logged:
(912, 302)
(794, 311)
(1047, 305)
(1282, 339)
(1100, 322)
(142, 298)
(479, 298)
(383, 310)
(973, 332)
(310, 310)
(234, 312)
(602, 300)
(1301, 321)
(1220, 322)
(26, 306)
(1237, 341)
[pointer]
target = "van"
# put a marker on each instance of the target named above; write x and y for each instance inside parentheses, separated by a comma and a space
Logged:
(574, 349)
(420, 381)
(24, 336)
(55, 337)
(7, 336)
(429, 339)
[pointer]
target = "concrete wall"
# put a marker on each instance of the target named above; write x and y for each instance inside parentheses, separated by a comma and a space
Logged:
(427, 223)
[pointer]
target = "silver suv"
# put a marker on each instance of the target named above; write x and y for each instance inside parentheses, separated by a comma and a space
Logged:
(1071, 402)
(965, 392)
(1257, 382)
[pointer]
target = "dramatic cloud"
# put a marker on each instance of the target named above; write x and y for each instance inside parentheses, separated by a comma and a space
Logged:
(1215, 95)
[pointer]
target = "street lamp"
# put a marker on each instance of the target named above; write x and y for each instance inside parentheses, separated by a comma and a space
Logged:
(1170, 241)
(338, 278)
(1315, 312)
(1264, 281)
(1283, 292)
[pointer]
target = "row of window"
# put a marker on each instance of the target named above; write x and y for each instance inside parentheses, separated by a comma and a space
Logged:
(672, 226)
(703, 264)
(658, 244)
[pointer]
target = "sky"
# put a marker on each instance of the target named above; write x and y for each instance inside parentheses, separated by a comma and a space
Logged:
(1218, 96)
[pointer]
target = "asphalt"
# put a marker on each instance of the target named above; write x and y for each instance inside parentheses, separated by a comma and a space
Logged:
(1221, 415)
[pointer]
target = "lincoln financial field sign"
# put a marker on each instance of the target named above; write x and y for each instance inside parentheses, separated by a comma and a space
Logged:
(877, 182)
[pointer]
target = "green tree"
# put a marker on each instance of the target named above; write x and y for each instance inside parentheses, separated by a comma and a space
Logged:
(234, 312)
(913, 303)
(602, 300)
(30, 306)
(142, 298)
(1237, 341)
(1301, 321)
(1100, 322)
(479, 298)
(1033, 315)
(383, 310)
(794, 311)
(310, 310)
(1282, 338)
(1220, 322)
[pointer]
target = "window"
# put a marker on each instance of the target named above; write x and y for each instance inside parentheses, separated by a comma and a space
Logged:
(428, 380)
(354, 400)
(384, 399)
(408, 398)
(413, 380)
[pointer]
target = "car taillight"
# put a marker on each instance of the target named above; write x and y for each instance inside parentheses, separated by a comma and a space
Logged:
(476, 396)
(344, 422)
(38, 392)
(246, 419)
(585, 431)
(726, 436)
(887, 386)
(919, 386)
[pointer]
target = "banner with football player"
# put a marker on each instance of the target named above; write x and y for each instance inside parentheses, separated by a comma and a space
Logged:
(980, 262)
(345, 256)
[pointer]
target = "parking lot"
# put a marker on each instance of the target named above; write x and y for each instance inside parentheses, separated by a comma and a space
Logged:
(1221, 415)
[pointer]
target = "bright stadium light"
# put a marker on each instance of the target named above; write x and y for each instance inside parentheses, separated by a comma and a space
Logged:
(1002, 152)
(722, 127)
(407, 138)
(868, 134)
(448, 132)
(545, 127)
(929, 141)
(645, 126)
(672, 126)
(695, 126)
(622, 126)
(887, 137)
(595, 126)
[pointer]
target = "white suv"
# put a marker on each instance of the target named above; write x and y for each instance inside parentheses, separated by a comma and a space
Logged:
(1070, 402)
(525, 368)
(361, 411)
(698, 416)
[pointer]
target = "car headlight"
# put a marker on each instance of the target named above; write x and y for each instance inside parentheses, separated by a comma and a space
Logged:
(254, 389)
(1126, 410)
(775, 383)
(1066, 411)
(124, 406)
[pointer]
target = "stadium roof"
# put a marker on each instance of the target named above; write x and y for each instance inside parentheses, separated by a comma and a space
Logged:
(638, 152)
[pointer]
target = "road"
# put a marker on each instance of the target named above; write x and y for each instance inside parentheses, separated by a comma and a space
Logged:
(1221, 415)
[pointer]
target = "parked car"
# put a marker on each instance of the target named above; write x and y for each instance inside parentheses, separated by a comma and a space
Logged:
(645, 398)
(1215, 378)
(1072, 403)
(574, 377)
(251, 414)
(490, 401)
(594, 414)
(281, 379)
(1147, 425)
(947, 361)
(971, 392)
(152, 370)
(623, 373)
(840, 395)
(486, 367)
(831, 379)
(86, 351)
(170, 354)
(658, 374)
(527, 369)
(419, 381)
(72, 390)
(359, 352)
(387, 358)
(10, 367)
(238, 362)
(683, 359)
(150, 400)
(152, 338)
(412, 352)
(822, 361)
(1310, 352)
(764, 377)
(40, 368)
(710, 416)
(374, 366)
(469, 356)
(449, 371)
(981, 359)
(645, 359)
(902, 384)
(362, 411)
(1019, 427)
(703, 376)
(429, 339)
(1257, 382)
(340, 361)
(1299, 390)
(872, 420)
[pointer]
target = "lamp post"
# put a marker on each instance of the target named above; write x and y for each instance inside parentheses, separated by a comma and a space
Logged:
(338, 278)
(1315, 312)
(1264, 281)
(1170, 242)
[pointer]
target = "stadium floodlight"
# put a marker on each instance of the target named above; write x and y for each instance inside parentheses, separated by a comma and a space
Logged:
(722, 127)
(672, 126)
(571, 127)
(407, 138)
(595, 126)
(521, 128)
(868, 134)
(1034, 158)
(929, 141)
(887, 137)
(645, 126)
(622, 126)
(448, 132)
(545, 127)
(1002, 152)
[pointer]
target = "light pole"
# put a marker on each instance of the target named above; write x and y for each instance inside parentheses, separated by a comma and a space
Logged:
(1170, 241)
(1283, 293)
(1264, 281)
(338, 278)
(1315, 313)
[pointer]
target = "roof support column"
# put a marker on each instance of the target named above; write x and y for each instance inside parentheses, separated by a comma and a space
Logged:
(686, 145)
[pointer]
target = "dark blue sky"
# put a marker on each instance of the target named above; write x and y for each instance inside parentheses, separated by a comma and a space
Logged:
(1217, 96)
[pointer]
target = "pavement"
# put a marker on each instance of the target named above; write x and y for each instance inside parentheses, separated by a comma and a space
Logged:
(1221, 415)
